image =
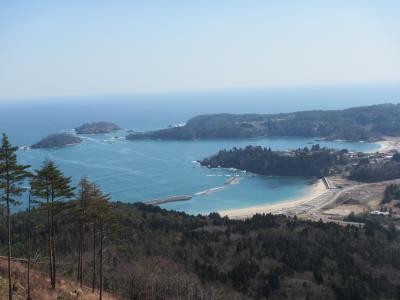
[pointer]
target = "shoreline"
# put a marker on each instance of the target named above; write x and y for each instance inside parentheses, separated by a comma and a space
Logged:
(389, 144)
(316, 189)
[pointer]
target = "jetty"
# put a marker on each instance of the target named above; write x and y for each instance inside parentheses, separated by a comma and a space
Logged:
(328, 183)
(167, 200)
(209, 191)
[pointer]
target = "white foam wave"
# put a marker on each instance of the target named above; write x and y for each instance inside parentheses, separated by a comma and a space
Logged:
(209, 191)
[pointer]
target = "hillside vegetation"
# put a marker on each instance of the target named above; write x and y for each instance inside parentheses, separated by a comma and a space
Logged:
(57, 140)
(67, 289)
(302, 162)
(315, 161)
(370, 171)
(97, 128)
(159, 254)
(368, 123)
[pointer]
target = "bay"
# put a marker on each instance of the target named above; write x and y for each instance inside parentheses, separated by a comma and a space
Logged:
(141, 170)
(134, 171)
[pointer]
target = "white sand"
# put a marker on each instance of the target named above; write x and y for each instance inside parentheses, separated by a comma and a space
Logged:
(314, 191)
(389, 144)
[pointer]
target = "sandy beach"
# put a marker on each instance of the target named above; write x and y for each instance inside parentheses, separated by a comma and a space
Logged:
(389, 144)
(314, 191)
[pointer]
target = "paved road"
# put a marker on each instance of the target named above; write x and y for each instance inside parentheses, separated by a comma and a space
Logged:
(315, 205)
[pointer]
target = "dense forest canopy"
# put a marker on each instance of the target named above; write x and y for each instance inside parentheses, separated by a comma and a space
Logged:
(302, 162)
(158, 253)
(371, 171)
(368, 123)
(316, 162)
(392, 192)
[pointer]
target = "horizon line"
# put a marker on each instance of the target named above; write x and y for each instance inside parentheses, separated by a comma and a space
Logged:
(198, 91)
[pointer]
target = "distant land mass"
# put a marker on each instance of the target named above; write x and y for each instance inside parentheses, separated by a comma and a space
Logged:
(57, 140)
(367, 123)
(96, 128)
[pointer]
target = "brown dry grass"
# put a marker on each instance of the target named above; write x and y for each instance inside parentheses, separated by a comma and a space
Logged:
(40, 286)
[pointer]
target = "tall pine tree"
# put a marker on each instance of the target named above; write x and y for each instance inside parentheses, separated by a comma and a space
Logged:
(50, 185)
(104, 225)
(12, 176)
(82, 204)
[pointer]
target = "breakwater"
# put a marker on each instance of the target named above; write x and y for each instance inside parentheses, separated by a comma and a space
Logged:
(167, 199)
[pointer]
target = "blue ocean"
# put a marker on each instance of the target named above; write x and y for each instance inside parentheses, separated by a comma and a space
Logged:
(134, 171)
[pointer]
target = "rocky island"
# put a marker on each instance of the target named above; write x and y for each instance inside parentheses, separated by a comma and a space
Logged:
(368, 123)
(97, 128)
(57, 140)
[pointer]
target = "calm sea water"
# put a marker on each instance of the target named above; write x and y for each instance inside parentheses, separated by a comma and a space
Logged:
(141, 170)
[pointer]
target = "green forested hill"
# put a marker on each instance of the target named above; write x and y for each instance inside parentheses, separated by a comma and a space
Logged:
(367, 123)
(158, 254)
(316, 161)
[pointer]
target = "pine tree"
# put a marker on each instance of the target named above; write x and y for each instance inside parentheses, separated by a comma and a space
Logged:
(104, 224)
(50, 184)
(29, 224)
(12, 176)
(84, 199)
(107, 223)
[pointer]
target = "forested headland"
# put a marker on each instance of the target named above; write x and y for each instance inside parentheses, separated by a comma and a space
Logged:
(315, 161)
(368, 123)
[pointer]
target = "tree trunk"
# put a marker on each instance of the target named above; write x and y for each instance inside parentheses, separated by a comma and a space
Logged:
(78, 271)
(82, 250)
(94, 259)
(81, 237)
(53, 244)
(101, 260)
(29, 247)
(9, 248)
(49, 242)
(8, 231)
(80, 258)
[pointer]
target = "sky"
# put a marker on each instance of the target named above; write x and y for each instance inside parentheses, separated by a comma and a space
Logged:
(62, 48)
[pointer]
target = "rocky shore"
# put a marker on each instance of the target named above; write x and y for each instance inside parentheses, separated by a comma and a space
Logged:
(57, 140)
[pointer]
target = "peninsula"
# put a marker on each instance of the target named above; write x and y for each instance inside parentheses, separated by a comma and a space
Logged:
(57, 140)
(314, 162)
(97, 128)
(368, 123)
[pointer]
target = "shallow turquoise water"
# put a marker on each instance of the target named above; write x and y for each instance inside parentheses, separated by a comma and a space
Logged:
(141, 170)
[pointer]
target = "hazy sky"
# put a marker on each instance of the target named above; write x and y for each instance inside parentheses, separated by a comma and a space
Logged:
(58, 48)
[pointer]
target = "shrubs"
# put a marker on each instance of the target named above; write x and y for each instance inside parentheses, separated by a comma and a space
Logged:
(161, 252)
(392, 192)
(374, 172)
